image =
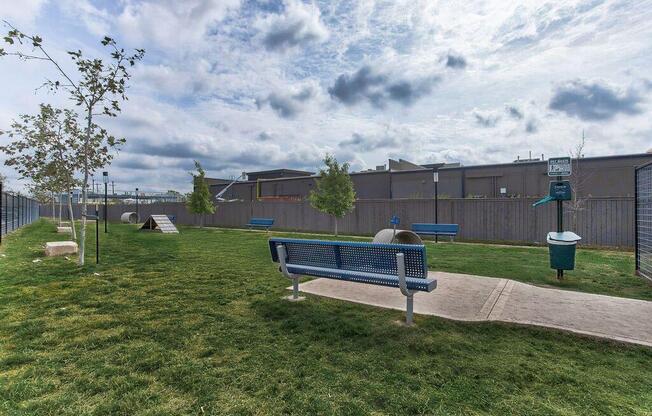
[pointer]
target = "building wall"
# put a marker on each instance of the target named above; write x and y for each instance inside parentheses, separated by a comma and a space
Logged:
(597, 177)
(414, 185)
(368, 185)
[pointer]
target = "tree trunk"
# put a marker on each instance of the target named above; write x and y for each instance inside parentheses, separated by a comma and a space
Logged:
(82, 232)
(335, 218)
(54, 210)
(72, 216)
(60, 209)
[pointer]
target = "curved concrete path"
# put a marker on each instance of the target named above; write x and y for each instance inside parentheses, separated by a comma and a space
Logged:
(474, 298)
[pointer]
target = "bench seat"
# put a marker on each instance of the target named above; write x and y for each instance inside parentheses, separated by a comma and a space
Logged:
(450, 230)
(265, 223)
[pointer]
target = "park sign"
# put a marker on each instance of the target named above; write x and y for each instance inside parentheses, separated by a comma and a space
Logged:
(559, 166)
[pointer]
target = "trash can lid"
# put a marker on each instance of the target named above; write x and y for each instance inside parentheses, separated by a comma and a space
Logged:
(564, 237)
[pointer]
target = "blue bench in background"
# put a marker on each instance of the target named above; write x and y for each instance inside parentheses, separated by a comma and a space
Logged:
(395, 265)
(265, 223)
(449, 230)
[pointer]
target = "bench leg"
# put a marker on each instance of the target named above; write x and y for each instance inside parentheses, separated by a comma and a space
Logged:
(409, 311)
(295, 288)
(280, 251)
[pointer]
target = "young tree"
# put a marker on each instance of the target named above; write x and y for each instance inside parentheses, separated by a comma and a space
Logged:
(42, 195)
(578, 180)
(199, 201)
(334, 194)
(46, 148)
(97, 88)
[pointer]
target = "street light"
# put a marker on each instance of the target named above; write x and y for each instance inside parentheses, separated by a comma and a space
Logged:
(137, 213)
(436, 179)
(105, 178)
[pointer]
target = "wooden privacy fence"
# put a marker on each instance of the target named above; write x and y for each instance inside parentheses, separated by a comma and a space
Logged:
(602, 222)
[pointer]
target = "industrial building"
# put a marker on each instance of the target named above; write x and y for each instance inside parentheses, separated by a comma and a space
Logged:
(607, 176)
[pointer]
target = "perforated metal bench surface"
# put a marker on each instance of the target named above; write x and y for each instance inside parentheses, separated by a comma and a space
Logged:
(436, 229)
(357, 262)
(261, 223)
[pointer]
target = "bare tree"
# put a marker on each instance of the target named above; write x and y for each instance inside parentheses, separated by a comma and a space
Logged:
(97, 88)
(578, 180)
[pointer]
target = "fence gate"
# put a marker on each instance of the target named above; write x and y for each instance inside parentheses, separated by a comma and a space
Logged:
(644, 221)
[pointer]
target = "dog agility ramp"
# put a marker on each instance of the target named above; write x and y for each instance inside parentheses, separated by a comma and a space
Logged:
(159, 223)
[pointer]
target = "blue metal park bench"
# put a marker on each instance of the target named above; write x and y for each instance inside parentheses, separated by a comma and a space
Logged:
(394, 265)
(449, 230)
(265, 223)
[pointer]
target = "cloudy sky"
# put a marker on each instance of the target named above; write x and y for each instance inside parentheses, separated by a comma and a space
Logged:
(251, 85)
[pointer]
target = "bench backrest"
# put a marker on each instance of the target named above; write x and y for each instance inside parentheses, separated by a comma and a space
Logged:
(436, 228)
(353, 256)
(262, 221)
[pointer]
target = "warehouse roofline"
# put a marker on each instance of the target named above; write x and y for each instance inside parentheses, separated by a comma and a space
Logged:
(545, 162)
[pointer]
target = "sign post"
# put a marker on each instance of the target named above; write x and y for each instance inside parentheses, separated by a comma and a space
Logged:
(560, 167)
(394, 221)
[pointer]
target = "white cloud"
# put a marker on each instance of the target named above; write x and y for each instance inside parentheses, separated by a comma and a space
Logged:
(299, 25)
(21, 13)
(169, 24)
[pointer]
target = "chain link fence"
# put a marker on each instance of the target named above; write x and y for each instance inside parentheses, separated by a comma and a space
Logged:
(16, 211)
(644, 221)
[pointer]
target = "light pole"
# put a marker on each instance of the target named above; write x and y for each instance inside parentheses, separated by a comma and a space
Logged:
(137, 213)
(436, 179)
(105, 178)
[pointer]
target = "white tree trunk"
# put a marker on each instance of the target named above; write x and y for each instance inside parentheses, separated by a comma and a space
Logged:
(84, 209)
(60, 209)
(72, 216)
(335, 218)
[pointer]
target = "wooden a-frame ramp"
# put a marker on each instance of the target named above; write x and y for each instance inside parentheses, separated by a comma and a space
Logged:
(159, 223)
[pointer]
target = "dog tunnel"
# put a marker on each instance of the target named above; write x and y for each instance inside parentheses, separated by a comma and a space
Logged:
(129, 218)
(387, 236)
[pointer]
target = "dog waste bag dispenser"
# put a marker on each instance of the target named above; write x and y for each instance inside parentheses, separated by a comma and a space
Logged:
(559, 191)
(561, 243)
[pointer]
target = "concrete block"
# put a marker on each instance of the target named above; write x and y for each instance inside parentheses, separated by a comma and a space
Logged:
(63, 230)
(60, 248)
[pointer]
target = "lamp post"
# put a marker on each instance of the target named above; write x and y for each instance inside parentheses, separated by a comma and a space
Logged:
(137, 213)
(436, 179)
(105, 178)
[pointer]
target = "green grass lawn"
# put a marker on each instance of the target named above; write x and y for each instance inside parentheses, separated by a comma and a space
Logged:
(194, 324)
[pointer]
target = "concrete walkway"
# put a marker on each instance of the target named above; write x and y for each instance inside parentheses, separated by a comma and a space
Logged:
(474, 298)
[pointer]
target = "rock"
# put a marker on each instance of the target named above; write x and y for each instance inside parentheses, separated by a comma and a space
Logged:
(67, 230)
(60, 248)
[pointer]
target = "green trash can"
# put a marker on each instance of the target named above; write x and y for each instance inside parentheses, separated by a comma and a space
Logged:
(562, 249)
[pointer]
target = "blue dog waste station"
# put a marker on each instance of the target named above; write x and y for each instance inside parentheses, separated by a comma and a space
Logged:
(562, 249)
(562, 244)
